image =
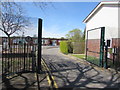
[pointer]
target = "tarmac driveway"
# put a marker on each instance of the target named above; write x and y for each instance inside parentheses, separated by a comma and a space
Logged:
(72, 73)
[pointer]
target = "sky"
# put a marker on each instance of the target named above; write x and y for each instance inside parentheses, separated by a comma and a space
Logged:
(58, 17)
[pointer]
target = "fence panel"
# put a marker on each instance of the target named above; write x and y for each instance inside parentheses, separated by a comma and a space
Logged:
(18, 57)
(95, 46)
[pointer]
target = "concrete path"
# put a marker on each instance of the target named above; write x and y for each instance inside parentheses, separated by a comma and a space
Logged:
(71, 73)
(25, 81)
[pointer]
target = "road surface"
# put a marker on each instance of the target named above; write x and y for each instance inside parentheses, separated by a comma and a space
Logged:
(70, 73)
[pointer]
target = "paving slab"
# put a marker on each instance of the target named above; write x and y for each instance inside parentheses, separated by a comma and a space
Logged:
(26, 81)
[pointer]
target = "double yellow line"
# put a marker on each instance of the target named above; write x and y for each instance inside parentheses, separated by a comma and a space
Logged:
(50, 78)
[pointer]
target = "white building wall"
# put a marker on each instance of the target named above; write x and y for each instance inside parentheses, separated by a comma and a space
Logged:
(106, 17)
(119, 21)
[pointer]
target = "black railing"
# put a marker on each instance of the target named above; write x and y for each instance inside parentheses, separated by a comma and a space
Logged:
(18, 58)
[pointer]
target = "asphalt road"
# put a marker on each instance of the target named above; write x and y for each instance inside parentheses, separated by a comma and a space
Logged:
(70, 73)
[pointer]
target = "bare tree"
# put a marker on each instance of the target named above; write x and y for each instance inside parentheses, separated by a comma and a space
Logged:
(12, 19)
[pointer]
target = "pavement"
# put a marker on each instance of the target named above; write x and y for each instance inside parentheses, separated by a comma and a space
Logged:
(25, 81)
(69, 72)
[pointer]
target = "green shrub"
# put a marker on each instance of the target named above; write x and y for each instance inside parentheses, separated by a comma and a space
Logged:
(64, 47)
(70, 47)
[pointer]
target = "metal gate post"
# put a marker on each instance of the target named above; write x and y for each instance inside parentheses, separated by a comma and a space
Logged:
(24, 55)
(86, 45)
(39, 44)
(102, 43)
(106, 54)
(33, 58)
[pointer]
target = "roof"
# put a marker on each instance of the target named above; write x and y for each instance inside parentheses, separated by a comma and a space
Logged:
(98, 7)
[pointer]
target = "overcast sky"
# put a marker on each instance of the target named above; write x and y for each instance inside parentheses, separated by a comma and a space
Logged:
(58, 18)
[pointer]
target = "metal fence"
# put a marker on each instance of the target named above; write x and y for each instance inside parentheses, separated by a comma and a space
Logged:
(114, 60)
(18, 58)
(100, 51)
(95, 46)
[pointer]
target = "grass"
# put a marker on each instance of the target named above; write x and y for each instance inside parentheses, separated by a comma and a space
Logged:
(91, 59)
(95, 60)
(81, 56)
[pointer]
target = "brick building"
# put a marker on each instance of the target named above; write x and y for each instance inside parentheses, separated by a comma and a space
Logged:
(45, 41)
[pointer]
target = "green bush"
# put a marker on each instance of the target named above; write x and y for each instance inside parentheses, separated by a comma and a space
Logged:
(70, 47)
(64, 47)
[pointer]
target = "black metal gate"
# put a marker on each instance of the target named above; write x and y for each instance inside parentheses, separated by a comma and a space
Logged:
(113, 61)
(19, 56)
(97, 49)
(95, 45)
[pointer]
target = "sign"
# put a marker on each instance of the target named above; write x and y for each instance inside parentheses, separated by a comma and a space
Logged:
(28, 39)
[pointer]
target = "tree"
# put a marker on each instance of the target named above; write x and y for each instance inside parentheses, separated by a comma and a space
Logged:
(12, 19)
(62, 38)
(84, 33)
(75, 35)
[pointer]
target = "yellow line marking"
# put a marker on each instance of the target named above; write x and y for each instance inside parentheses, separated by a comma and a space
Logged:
(49, 81)
(11, 76)
(55, 84)
(35, 75)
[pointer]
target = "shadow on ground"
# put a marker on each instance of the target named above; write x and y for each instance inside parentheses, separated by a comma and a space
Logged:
(70, 75)
(21, 81)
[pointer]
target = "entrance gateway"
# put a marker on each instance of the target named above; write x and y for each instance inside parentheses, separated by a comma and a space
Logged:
(95, 42)
(97, 51)
(21, 55)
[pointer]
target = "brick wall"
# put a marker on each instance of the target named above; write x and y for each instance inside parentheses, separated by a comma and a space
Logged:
(116, 43)
(93, 47)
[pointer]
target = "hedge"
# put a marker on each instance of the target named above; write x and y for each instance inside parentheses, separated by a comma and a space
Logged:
(72, 47)
(64, 47)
